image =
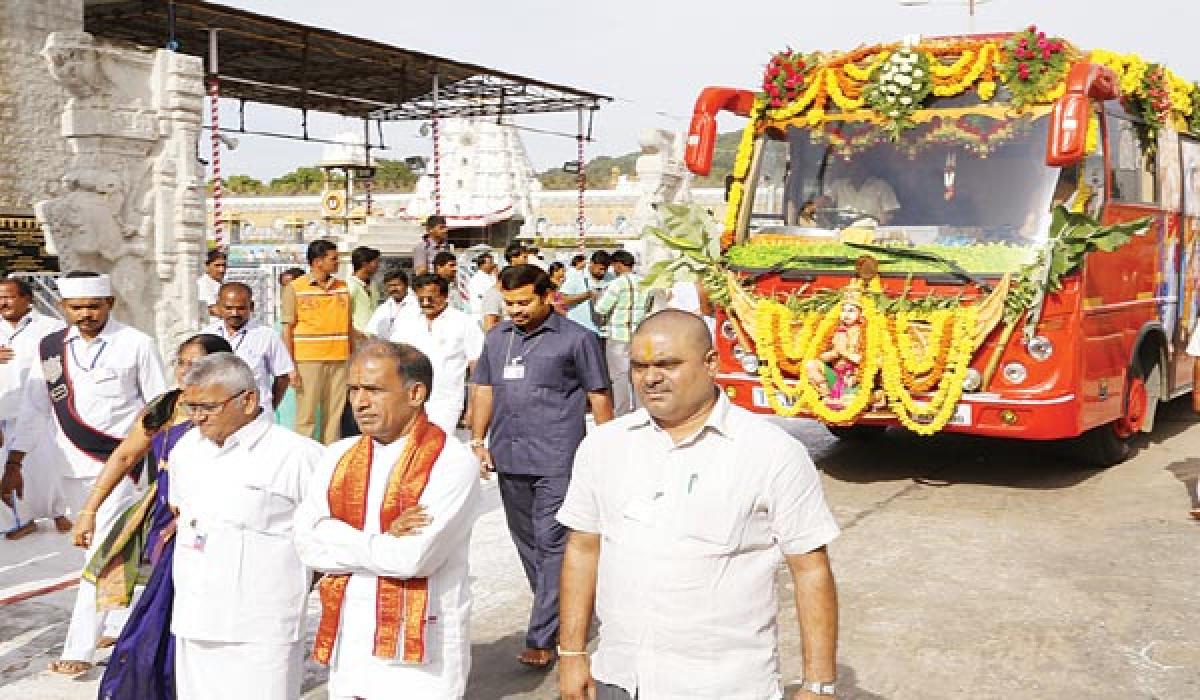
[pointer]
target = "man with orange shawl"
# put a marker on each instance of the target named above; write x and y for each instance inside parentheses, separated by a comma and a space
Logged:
(388, 521)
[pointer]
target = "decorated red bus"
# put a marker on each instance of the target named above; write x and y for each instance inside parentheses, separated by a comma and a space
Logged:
(991, 234)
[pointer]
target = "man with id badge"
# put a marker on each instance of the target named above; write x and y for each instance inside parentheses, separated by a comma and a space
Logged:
(240, 587)
(537, 376)
(95, 376)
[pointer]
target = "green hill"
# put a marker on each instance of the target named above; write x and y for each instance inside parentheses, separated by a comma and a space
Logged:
(599, 170)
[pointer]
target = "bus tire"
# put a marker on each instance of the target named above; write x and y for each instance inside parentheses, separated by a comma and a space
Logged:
(1110, 444)
(857, 433)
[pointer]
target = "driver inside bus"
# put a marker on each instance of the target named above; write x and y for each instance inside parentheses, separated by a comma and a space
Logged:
(857, 190)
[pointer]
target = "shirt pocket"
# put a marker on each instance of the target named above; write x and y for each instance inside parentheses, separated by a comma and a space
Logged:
(545, 373)
(116, 382)
(704, 535)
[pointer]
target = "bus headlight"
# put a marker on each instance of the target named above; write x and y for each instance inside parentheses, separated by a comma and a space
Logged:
(973, 380)
(1015, 373)
(749, 362)
(727, 330)
(1040, 348)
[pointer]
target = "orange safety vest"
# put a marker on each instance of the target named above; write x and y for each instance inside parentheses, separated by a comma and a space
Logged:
(322, 321)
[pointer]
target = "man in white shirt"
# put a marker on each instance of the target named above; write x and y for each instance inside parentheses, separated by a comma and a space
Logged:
(210, 282)
(861, 192)
(240, 587)
(401, 302)
(697, 502)
(42, 470)
(483, 280)
(450, 339)
(95, 377)
(258, 345)
(389, 520)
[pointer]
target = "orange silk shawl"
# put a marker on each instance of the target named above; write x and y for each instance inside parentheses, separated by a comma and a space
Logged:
(401, 605)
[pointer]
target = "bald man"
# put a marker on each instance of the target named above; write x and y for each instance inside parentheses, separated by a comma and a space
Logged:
(697, 502)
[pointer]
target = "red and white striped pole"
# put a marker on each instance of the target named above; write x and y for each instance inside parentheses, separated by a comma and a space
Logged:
(214, 93)
(582, 181)
(437, 154)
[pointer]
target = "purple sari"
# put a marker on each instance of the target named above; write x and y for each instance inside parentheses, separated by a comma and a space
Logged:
(142, 665)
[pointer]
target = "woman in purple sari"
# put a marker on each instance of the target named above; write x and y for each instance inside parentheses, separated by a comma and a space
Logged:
(142, 665)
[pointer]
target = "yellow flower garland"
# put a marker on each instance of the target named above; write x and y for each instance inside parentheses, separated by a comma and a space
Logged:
(939, 321)
(929, 417)
(886, 356)
(741, 166)
(985, 57)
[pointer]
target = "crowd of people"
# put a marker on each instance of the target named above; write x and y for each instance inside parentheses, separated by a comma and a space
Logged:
(633, 490)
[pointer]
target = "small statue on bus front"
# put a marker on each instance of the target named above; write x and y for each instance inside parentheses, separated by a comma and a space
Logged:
(834, 372)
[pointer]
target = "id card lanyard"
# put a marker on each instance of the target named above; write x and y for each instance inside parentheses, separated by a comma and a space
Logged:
(514, 367)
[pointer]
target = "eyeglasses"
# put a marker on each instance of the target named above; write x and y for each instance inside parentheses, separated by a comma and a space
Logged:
(208, 409)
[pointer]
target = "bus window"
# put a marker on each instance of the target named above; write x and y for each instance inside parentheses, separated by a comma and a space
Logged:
(1134, 172)
(1170, 177)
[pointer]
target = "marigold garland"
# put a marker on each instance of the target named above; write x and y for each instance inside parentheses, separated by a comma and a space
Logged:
(786, 342)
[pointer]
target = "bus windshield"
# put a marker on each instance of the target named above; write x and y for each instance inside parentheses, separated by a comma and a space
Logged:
(952, 181)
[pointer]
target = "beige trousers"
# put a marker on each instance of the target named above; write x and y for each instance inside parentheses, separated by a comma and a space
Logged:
(322, 384)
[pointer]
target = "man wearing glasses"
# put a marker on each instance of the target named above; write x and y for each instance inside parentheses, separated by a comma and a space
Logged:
(240, 587)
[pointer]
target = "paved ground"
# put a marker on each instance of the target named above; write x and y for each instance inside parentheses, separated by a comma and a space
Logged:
(967, 568)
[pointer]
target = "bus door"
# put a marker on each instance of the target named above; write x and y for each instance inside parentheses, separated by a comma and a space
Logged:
(1189, 307)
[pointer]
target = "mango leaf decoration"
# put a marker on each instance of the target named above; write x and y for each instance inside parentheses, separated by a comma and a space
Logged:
(691, 234)
(1072, 236)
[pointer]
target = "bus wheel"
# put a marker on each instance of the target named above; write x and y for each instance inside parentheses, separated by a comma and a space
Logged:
(857, 433)
(1109, 445)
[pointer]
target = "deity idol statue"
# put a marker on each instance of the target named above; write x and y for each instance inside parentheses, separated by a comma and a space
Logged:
(834, 372)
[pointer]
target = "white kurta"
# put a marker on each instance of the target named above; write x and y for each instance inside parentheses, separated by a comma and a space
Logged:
(451, 341)
(113, 376)
(44, 466)
(240, 587)
(383, 320)
(438, 553)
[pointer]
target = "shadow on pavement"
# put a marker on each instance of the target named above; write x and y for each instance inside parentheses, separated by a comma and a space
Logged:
(495, 672)
(951, 458)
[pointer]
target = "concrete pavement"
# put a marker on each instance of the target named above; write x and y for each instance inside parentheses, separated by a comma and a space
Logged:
(966, 568)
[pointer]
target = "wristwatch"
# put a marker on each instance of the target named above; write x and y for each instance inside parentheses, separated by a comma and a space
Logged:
(819, 688)
(476, 443)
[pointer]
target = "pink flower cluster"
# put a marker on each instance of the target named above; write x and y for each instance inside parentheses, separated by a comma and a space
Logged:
(784, 77)
(1032, 48)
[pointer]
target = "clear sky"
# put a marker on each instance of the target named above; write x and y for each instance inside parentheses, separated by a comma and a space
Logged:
(654, 56)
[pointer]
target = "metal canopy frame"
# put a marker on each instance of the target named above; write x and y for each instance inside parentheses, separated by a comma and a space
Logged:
(273, 61)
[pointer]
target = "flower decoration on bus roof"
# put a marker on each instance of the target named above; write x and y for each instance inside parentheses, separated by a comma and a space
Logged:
(899, 86)
(1033, 66)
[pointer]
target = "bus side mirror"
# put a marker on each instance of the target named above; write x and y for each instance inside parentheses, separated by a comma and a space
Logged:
(1066, 139)
(702, 141)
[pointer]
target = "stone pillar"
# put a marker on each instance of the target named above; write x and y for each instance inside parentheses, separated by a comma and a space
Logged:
(33, 154)
(131, 202)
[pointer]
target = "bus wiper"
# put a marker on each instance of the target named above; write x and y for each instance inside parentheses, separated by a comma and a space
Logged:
(954, 268)
(830, 260)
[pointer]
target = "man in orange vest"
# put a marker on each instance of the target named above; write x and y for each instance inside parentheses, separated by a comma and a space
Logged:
(317, 332)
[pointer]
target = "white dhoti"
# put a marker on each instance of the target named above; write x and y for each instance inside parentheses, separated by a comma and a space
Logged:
(43, 477)
(238, 670)
(87, 624)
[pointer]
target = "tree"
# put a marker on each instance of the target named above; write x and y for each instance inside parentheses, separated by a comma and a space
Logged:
(393, 176)
(306, 179)
(599, 170)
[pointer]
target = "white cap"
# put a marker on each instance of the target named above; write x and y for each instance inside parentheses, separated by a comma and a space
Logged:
(97, 287)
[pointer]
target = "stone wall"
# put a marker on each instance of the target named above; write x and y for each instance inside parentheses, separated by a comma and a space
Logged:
(33, 153)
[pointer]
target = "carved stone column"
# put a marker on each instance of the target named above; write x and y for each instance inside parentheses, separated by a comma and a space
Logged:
(131, 202)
